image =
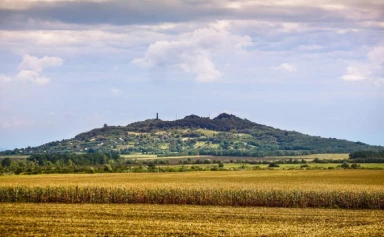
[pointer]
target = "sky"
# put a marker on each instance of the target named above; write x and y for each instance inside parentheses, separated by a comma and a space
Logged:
(66, 67)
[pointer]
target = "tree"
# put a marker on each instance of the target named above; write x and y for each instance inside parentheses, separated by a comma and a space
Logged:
(6, 162)
(345, 165)
(272, 165)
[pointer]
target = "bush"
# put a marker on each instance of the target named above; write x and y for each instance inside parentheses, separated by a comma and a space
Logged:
(108, 168)
(345, 165)
(6, 162)
(273, 165)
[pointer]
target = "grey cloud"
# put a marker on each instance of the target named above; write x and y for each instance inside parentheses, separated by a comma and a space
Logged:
(112, 12)
(151, 11)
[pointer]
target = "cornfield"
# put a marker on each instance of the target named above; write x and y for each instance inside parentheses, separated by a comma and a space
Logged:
(221, 197)
(325, 189)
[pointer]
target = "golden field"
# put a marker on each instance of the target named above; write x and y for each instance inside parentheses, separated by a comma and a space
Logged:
(30, 219)
(219, 203)
(350, 189)
(338, 180)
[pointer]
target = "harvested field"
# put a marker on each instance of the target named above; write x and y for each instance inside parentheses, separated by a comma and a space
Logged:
(183, 220)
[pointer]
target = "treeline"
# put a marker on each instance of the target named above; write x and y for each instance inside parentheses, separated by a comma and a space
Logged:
(367, 156)
(75, 159)
(63, 163)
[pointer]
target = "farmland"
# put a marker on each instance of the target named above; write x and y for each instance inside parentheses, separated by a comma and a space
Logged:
(29, 219)
(195, 203)
(274, 188)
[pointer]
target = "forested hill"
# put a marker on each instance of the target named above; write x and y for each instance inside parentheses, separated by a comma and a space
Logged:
(224, 135)
(223, 122)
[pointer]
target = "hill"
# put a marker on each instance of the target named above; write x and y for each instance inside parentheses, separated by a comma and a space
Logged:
(225, 135)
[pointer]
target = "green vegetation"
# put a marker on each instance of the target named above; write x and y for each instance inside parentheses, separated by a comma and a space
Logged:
(225, 135)
(115, 163)
(367, 156)
(75, 159)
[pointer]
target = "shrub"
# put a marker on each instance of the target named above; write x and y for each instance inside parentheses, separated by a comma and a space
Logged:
(345, 165)
(108, 168)
(273, 165)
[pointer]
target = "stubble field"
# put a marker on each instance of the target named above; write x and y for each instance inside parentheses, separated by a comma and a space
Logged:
(29, 219)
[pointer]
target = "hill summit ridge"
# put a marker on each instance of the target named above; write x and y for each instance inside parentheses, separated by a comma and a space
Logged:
(225, 134)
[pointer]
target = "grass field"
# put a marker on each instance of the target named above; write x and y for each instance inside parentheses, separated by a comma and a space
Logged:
(308, 158)
(207, 132)
(181, 220)
(236, 166)
(341, 156)
(138, 156)
(16, 157)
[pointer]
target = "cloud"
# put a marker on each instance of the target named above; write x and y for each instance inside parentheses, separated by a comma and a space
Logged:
(38, 64)
(149, 11)
(371, 68)
(62, 27)
(79, 41)
(4, 78)
(32, 76)
(285, 67)
(12, 123)
(31, 68)
(376, 55)
(194, 52)
(116, 91)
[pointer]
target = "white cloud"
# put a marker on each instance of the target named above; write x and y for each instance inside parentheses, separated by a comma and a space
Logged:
(357, 72)
(25, 4)
(372, 68)
(116, 91)
(31, 68)
(4, 78)
(32, 76)
(194, 53)
(285, 67)
(79, 41)
(12, 123)
(38, 64)
(376, 55)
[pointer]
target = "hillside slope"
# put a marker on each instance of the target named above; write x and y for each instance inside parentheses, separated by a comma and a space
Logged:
(224, 135)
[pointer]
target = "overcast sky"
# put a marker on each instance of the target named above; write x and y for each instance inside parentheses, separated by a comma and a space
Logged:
(66, 67)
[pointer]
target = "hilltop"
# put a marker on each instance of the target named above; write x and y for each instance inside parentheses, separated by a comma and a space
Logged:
(225, 134)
